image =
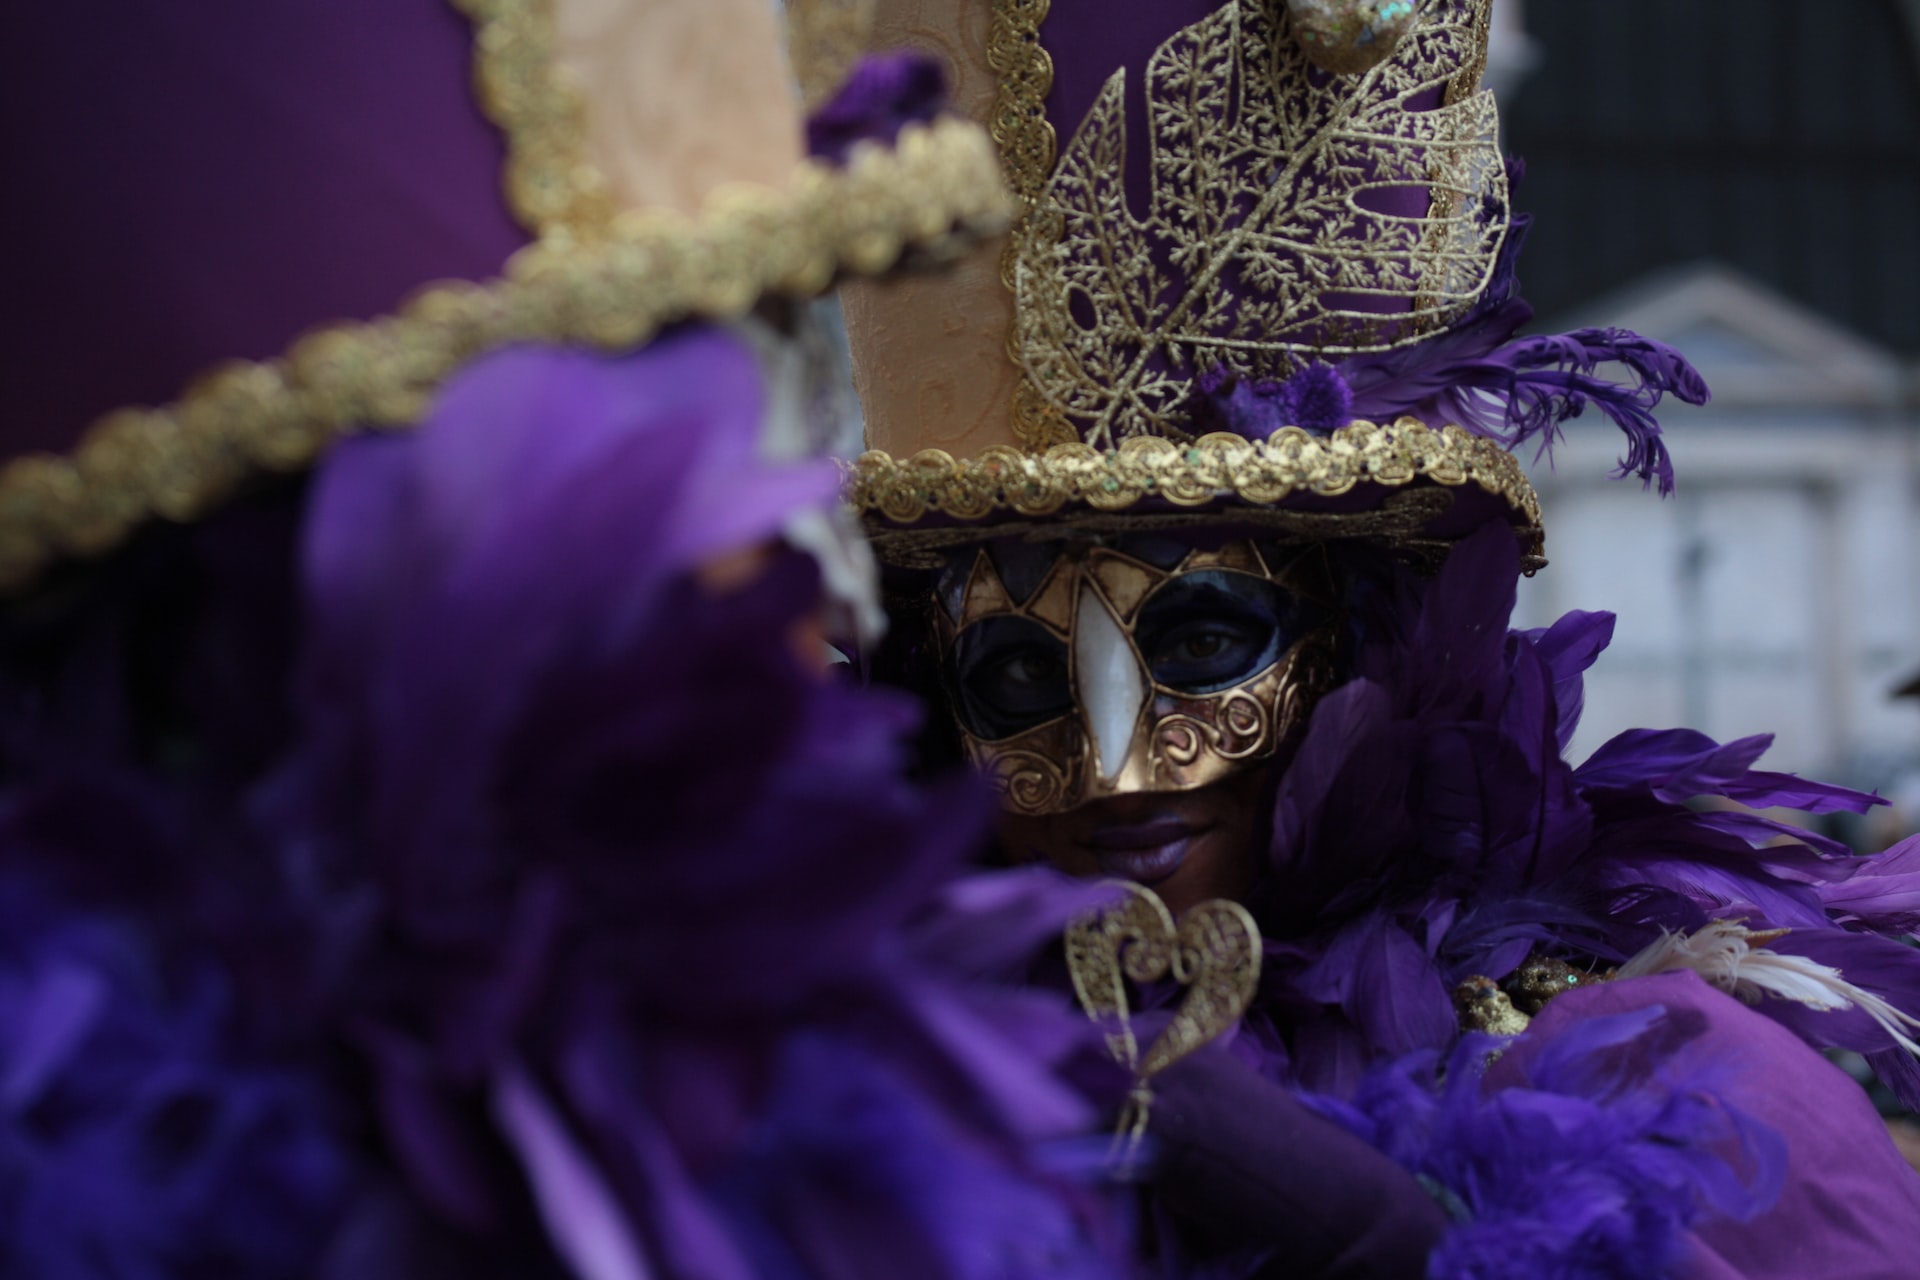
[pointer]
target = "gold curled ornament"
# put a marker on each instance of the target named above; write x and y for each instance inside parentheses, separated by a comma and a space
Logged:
(1214, 953)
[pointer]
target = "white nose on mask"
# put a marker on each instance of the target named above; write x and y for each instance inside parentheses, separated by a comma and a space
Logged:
(1109, 682)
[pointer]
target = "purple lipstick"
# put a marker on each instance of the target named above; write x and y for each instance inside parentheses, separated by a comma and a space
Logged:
(1146, 852)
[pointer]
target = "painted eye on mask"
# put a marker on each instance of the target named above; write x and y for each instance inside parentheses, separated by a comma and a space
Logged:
(1211, 630)
(1011, 675)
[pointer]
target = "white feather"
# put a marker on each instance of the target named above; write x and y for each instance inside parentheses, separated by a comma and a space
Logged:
(1729, 955)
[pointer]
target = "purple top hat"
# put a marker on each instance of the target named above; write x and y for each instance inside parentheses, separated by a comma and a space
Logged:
(288, 223)
(1263, 272)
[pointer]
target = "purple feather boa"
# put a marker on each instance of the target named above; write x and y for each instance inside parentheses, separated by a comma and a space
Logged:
(606, 864)
(1429, 828)
(600, 935)
(1591, 1166)
(141, 1134)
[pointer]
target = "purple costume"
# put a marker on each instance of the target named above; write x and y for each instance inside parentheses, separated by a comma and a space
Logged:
(451, 861)
(1267, 327)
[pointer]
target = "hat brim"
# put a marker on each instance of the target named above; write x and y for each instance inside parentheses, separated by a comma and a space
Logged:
(937, 189)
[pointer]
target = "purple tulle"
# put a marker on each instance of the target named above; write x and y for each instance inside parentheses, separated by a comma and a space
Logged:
(1429, 828)
(1592, 1166)
(884, 93)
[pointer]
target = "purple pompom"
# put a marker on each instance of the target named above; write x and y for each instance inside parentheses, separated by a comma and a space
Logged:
(1316, 399)
(1320, 399)
(885, 93)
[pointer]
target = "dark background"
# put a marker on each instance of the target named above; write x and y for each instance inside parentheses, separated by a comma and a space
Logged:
(1781, 137)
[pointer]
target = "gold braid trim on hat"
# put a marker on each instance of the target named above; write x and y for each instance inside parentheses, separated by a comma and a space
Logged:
(938, 188)
(1028, 146)
(1010, 482)
(551, 184)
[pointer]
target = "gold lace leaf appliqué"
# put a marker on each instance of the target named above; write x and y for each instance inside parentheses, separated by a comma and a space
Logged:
(1259, 248)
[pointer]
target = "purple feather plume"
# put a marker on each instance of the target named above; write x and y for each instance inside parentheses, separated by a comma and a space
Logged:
(1518, 390)
(1429, 828)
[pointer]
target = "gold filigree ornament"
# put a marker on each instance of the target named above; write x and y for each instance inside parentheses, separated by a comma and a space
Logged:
(1214, 953)
(594, 278)
(1257, 252)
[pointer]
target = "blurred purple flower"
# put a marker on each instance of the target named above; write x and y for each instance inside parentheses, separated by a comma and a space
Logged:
(595, 859)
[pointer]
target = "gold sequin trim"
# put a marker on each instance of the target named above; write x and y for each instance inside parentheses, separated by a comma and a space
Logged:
(1005, 480)
(1028, 145)
(938, 189)
(825, 41)
(551, 185)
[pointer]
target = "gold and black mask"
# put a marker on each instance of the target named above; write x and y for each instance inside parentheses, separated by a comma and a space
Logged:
(1097, 668)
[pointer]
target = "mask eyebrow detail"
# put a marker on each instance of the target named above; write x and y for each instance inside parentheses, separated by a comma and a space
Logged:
(1109, 682)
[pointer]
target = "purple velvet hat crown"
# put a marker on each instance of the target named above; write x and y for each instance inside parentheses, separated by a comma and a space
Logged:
(1269, 276)
(349, 201)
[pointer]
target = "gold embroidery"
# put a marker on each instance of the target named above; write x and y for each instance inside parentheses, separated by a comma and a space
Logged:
(1507, 1008)
(1480, 1005)
(551, 186)
(1254, 253)
(1007, 481)
(938, 188)
(1027, 148)
(825, 39)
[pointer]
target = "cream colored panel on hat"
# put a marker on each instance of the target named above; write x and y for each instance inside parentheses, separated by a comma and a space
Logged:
(930, 351)
(1110, 684)
(682, 96)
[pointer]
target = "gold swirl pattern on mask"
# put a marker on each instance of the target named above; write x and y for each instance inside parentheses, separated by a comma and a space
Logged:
(1006, 481)
(1030, 782)
(937, 189)
(1232, 726)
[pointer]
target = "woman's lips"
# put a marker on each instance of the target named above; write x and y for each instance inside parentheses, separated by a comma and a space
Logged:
(1144, 852)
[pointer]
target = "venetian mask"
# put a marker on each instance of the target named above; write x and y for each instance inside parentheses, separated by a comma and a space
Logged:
(1105, 667)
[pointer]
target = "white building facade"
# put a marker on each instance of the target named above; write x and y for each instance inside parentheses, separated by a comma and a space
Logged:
(1778, 590)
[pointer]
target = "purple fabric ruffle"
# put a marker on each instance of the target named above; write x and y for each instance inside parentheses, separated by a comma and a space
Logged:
(1848, 1207)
